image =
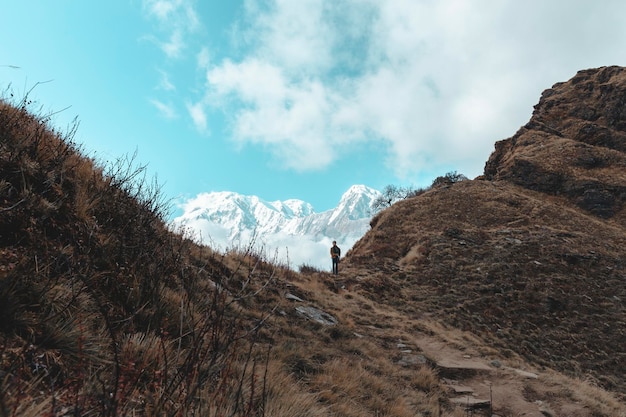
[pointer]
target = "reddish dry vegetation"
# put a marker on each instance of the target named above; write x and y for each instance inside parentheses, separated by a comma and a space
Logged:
(107, 312)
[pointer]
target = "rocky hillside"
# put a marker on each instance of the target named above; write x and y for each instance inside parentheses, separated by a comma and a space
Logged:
(574, 145)
(530, 256)
(465, 300)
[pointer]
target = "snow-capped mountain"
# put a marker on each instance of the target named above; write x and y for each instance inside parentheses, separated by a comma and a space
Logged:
(291, 230)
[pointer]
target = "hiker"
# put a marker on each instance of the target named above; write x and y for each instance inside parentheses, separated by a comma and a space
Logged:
(335, 253)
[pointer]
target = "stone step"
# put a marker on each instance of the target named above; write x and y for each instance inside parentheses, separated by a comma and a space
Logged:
(471, 402)
(461, 389)
(461, 369)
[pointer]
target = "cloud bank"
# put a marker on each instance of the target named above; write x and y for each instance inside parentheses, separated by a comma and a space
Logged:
(436, 82)
(280, 248)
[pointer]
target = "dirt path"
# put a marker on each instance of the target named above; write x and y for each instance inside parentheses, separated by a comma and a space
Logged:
(479, 381)
(475, 380)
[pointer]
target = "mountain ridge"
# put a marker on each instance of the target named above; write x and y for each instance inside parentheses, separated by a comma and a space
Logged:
(230, 219)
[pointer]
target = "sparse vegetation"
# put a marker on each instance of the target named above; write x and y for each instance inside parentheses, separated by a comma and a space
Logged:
(391, 194)
(308, 269)
(106, 312)
(449, 178)
(103, 309)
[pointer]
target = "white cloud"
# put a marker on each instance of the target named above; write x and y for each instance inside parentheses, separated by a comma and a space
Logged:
(166, 110)
(173, 12)
(280, 248)
(292, 34)
(174, 46)
(203, 58)
(291, 118)
(198, 115)
(159, 8)
(438, 81)
(165, 83)
(302, 250)
(254, 80)
(177, 19)
(207, 233)
(296, 251)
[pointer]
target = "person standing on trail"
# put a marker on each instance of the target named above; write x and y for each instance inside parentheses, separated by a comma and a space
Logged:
(335, 253)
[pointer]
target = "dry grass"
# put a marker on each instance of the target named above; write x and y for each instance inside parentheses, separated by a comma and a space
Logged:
(107, 312)
(104, 310)
(508, 264)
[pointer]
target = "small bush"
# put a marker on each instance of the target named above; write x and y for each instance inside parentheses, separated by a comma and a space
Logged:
(391, 194)
(307, 269)
(449, 178)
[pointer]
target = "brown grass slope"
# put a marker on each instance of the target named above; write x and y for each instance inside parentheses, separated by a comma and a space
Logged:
(103, 310)
(531, 256)
(106, 312)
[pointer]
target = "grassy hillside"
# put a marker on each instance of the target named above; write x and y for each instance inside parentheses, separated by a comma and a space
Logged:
(531, 255)
(528, 272)
(104, 311)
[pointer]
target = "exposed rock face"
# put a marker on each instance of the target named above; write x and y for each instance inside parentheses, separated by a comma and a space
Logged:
(574, 145)
(531, 255)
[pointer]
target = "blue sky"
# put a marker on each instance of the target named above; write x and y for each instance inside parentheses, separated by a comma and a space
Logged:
(299, 98)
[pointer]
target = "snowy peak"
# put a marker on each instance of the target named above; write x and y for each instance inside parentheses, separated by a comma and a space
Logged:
(294, 208)
(358, 199)
(360, 190)
(217, 205)
(227, 219)
(356, 203)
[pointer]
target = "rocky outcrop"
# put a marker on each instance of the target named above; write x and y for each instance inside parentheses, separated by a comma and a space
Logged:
(574, 145)
(531, 254)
